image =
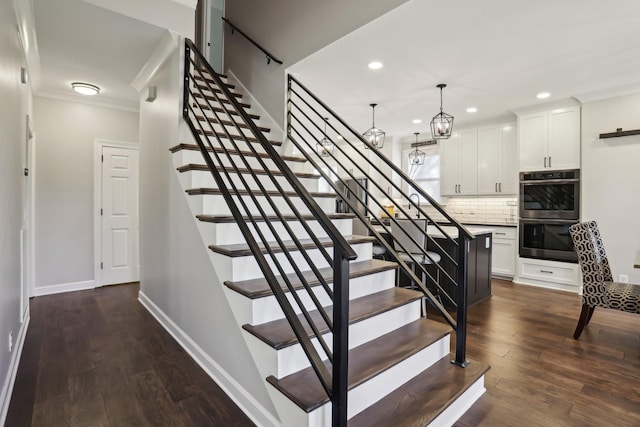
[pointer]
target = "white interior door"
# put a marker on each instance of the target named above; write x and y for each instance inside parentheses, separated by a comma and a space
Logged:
(119, 231)
(214, 29)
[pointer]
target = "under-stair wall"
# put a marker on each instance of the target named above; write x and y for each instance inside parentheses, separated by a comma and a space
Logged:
(178, 283)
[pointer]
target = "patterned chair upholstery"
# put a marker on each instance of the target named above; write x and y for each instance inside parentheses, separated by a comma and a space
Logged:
(599, 289)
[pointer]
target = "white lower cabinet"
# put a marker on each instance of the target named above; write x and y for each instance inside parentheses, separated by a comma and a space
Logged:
(549, 274)
(503, 258)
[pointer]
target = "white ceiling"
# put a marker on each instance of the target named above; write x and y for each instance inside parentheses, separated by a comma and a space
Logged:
(78, 41)
(495, 55)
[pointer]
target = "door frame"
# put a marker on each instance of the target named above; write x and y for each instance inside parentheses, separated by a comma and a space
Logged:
(99, 144)
(27, 255)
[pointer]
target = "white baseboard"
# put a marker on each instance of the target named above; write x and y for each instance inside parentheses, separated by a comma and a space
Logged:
(63, 287)
(252, 408)
(7, 388)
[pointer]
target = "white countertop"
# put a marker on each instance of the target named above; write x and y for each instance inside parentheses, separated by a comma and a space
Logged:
(449, 230)
(453, 231)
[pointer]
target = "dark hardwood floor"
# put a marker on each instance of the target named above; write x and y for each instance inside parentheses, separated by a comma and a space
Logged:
(97, 358)
(540, 375)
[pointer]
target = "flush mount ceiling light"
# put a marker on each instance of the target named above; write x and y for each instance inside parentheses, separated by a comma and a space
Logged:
(325, 146)
(375, 65)
(416, 121)
(85, 88)
(543, 95)
(416, 157)
(374, 136)
(442, 123)
(472, 110)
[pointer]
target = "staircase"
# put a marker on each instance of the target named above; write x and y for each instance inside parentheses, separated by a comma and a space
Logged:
(399, 369)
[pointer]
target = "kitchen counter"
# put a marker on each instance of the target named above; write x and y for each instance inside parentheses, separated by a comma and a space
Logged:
(450, 230)
(492, 224)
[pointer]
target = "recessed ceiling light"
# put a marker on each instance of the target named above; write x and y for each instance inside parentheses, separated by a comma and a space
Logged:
(85, 88)
(375, 65)
(416, 121)
(543, 95)
(472, 110)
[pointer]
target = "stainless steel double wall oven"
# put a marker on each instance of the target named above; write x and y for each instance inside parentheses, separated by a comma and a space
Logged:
(549, 205)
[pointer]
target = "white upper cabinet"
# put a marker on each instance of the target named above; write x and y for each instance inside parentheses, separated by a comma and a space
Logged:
(497, 160)
(459, 163)
(550, 140)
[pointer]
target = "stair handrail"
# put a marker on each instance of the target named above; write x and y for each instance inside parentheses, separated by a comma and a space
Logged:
(270, 57)
(335, 383)
(464, 235)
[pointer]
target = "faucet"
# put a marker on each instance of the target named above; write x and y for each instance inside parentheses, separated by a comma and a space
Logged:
(418, 198)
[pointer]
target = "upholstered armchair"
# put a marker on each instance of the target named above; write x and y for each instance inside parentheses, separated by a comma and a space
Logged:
(599, 289)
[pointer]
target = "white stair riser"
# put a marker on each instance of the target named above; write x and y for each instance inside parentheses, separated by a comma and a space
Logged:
(288, 360)
(214, 204)
(462, 403)
(292, 359)
(204, 179)
(228, 233)
(366, 393)
(246, 267)
(262, 310)
(185, 157)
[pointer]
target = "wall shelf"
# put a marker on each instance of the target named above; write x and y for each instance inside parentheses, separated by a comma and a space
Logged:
(619, 132)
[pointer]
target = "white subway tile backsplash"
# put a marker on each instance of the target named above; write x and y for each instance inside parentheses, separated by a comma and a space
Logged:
(488, 210)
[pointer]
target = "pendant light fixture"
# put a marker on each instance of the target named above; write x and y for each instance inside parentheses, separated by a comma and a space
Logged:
(442, 123)
(374, 136)
(325, 146)
(416, 157)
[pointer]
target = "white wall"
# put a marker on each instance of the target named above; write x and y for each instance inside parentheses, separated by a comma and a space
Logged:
(14, 106)
(65, 133)
(291, 30)
(176, 275)
(610, 178)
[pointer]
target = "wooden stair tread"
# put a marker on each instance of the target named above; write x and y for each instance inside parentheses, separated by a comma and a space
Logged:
(242, 192)
(222, 111)
(214, 99)
(365, 362)
(194, 147)
(216, 89)
(419, 401)
(278, 334)
(229, 123)
(259, 288)
(222, 219)
(197, 77)
(237, 137)
(198, 167)
(242, 249)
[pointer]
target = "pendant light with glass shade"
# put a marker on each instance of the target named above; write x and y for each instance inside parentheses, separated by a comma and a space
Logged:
(416, 157)
(442, 123)
(325, 147)
(374, 136)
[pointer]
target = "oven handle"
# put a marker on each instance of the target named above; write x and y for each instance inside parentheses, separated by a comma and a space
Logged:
(549, 181)
(548, 221)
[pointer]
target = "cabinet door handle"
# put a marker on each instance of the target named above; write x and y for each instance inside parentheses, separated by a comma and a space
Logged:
(496, 185)
(546, 271)
(500, 234)
(545, 162)
(500, 187)
(549, 161)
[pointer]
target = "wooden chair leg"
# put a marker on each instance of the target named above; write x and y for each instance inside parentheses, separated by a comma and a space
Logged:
(591, 310)
(584, 316)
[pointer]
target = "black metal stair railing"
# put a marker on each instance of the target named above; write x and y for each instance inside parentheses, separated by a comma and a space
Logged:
(222, 129)
(309, 122)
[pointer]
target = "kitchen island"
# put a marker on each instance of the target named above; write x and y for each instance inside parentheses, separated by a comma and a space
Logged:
(478, 262)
